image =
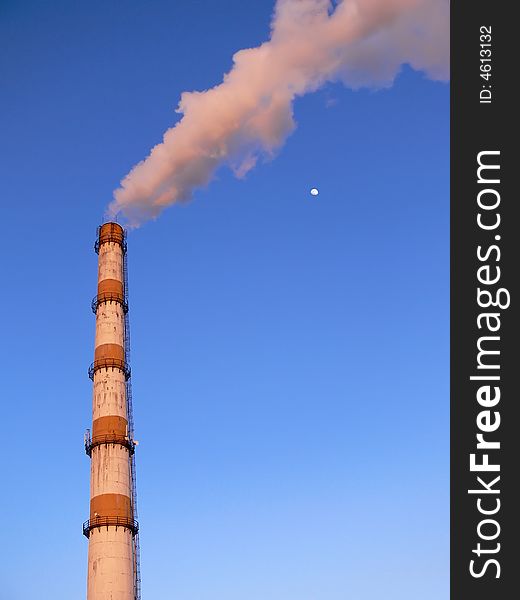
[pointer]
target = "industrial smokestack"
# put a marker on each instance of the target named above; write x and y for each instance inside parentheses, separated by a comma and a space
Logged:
(112, 529)
(362, 43)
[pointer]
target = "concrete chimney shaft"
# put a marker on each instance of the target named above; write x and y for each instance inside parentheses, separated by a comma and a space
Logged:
(111, 526)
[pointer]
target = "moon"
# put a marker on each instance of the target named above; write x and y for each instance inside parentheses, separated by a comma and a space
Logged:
(314, 192)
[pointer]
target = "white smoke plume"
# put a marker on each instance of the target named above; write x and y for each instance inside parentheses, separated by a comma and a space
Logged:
(362, 43)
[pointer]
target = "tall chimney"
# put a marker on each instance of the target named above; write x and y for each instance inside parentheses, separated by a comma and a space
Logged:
(112, 529)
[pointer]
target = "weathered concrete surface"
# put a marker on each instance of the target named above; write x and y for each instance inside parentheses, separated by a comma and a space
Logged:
(109, 393)
(110, 564)
(110, 264)
(110, 470)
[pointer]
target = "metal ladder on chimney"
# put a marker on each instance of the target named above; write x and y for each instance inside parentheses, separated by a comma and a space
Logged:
(130, 412)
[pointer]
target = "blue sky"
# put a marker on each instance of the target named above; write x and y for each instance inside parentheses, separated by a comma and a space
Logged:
(289, 352)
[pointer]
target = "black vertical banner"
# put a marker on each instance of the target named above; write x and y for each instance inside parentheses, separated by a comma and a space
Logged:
(485, 250)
